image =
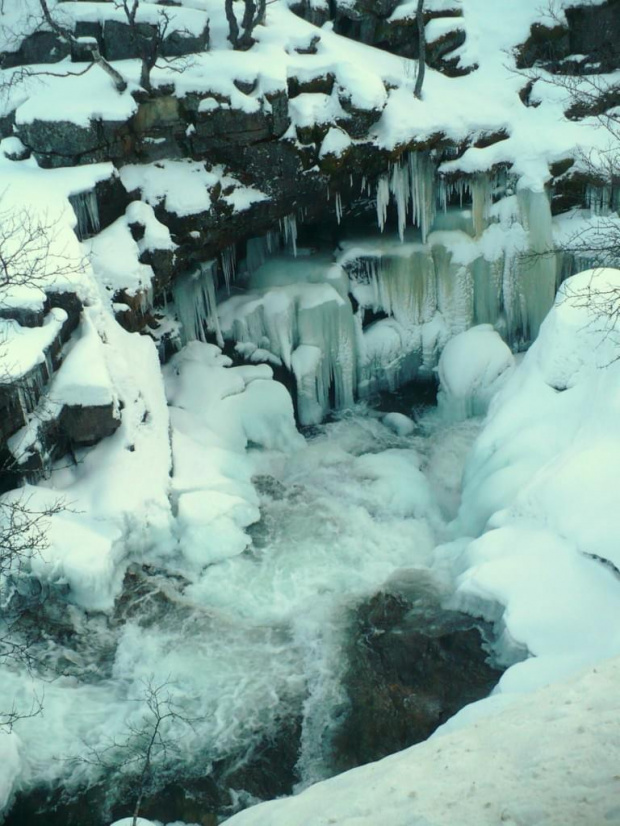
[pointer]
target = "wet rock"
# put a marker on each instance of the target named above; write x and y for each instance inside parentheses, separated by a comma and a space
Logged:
(159, 129)
(411, 666)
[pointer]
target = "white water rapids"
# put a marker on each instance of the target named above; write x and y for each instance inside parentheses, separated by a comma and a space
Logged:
(259, 637)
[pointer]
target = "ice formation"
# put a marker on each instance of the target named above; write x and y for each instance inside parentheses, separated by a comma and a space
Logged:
(86, 210)
(491, 261)
(195, 302)
(472, 368)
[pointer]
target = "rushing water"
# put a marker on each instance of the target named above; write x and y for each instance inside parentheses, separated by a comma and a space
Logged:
(259, 637)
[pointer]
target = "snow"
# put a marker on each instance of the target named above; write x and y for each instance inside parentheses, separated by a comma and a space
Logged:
(115, 256)
(22, 348)
(497, 770)
(185, 187)
(83, 379)
(85, 98)
(216, 410)
(400, 424)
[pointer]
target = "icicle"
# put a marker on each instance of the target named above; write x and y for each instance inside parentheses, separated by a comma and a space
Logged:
(145, 299)
(288, 227)
(383, 199)
(537, 270)
(481, 194)
(49, 366)
(228, 259)
(600, 199)
(399, 186)
(86, 211)
(196, 304)
(338, 200)
(423, 195)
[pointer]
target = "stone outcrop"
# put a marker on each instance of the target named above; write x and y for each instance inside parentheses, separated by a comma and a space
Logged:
(377, 23)
(590, 33)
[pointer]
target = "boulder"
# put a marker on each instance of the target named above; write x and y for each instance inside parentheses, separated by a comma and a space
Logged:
(84, 426)
(411, 666)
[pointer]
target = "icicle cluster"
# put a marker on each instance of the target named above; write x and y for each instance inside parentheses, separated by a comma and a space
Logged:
(86, 210)
(288, 228)
(602, 200)
(195, 302)
(411, 184)
(417, 191)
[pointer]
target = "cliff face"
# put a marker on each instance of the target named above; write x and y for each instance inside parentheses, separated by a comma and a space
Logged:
(304, 129)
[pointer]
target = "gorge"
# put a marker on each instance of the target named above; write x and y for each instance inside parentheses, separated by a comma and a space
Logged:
(309, 399)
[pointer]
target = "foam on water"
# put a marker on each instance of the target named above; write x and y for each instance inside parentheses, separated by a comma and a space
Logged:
(257, 637)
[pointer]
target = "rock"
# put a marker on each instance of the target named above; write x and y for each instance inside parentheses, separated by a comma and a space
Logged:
(360, 120)
(159, 129)
(39, 47)
(63, 143)
(121, 42)
(219, 125)
(320, 84)
(309, 12)
(411, 666)
(84, 426)
(546, 44)
(594, 32)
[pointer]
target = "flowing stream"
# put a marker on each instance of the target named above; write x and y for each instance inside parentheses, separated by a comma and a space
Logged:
(258, 640)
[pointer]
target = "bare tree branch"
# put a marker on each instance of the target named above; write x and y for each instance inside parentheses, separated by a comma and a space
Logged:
(66, 34)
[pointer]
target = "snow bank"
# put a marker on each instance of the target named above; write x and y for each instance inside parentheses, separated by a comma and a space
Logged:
(541, 486)
(551, 758)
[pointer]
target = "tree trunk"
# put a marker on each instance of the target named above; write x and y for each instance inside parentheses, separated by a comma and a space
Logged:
(233, 26)
(421, 50)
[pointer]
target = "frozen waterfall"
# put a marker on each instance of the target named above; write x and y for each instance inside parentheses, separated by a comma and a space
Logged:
(376, 314)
